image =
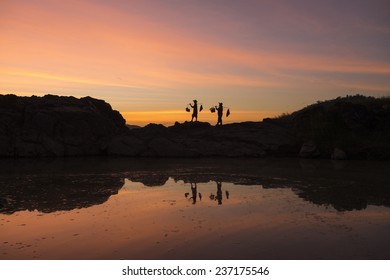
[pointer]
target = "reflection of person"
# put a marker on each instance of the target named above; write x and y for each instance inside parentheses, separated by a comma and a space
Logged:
(219, 193)
(219, 196)
(220, 113)
(195, 111)
(195, 193)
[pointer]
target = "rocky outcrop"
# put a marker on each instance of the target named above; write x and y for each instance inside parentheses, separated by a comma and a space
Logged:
(66, 126)
(358, 125)
(56, 126)
(200, 139)
(126, 145)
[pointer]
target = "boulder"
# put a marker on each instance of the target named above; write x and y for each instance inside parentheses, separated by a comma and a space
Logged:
(56, 126)
(338, 154)
(309, 150)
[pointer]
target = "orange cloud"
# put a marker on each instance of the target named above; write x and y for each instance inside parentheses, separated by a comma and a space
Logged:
(47, 76)
(148, 54)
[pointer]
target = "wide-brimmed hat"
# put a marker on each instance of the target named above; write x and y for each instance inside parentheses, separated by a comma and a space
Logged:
(220, 103)
(195, 100)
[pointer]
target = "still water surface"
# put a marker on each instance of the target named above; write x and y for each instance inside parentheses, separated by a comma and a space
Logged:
(194, 209)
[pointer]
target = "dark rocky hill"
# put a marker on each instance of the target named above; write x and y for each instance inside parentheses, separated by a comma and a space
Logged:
(354, 127)
(56, 126)
(358, 126)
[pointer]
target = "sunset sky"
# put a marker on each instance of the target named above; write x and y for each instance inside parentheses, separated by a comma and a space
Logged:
(150, 58)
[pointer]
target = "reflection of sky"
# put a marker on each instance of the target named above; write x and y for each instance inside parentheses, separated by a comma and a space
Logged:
(261, 57)
(161, 223)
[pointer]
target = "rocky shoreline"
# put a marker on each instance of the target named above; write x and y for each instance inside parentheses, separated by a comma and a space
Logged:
(54, 126)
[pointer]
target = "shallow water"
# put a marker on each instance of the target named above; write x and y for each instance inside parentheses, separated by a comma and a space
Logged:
(194, 209)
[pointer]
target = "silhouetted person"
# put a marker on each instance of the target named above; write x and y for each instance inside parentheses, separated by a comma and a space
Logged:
(220, 113)
(195, 111)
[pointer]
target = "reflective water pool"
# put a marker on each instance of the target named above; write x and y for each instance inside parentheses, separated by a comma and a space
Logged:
(194, 209)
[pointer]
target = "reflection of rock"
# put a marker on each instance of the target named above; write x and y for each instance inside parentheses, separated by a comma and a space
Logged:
(344, 194)
(3, 203)
(346, 198)
(53, 185)
(56, 193)
(339, 164)
(149, 179)
(309, 150)
(339, 154)
(307, 164)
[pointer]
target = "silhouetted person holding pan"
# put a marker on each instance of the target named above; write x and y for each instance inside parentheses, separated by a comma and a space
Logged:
(195, 111)
(220, 113)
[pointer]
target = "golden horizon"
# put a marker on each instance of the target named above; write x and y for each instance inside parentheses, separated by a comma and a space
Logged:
(169, 117)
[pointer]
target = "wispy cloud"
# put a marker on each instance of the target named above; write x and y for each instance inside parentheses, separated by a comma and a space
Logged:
(145, 51)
